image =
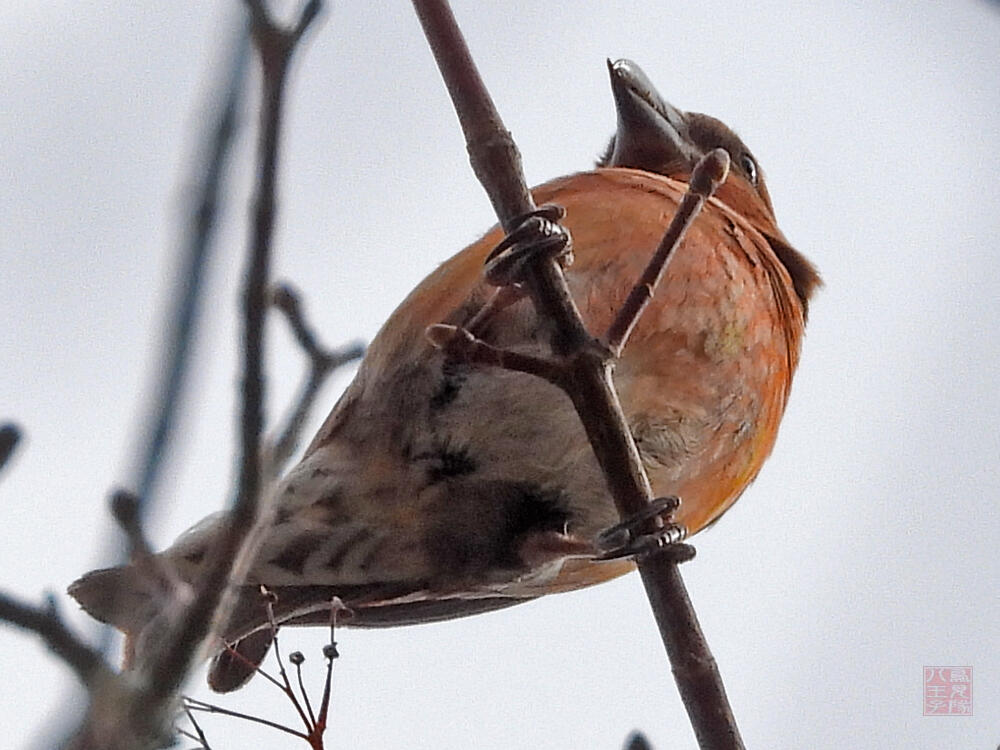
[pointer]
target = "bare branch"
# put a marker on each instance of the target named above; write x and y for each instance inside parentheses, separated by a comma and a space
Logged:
(171, 664)
(86, 662)
(182, 318)
(496, 162)
(136, 713)
(322, 363)
(193, 704)
(120, 716)
(461, 345)
(709, 173)
(125, 509)
(198, 730)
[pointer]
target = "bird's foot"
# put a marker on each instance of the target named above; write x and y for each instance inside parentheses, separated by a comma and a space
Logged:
(537, 234)
(625, 539)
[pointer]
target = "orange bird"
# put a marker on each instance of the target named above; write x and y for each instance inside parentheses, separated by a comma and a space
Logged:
(436, 489)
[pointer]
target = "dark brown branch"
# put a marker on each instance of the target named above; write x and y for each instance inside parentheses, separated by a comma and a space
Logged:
(286, 299)
(503, 297)
(460, 344)
(86, 662)
(322, 363)
(119, 715)
(705, 180)
(198, 730)
(496, 162)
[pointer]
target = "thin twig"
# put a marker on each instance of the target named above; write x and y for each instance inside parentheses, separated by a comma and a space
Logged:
(496, 162)
(120, 715)
(297, 659)
(704, 182)
(502, 298)
(208, 176)
(257, 668)
(286, 685)
(196, 705)
(329, 653)
(322, 363)
(86, 662)
(188, 735)
(125, 507)
(460, 344)
(637, 741)
(197, 728)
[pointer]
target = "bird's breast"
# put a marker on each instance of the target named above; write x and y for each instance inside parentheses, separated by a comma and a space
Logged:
(703, 380)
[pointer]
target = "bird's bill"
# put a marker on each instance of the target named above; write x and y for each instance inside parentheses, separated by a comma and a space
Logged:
(652, 133)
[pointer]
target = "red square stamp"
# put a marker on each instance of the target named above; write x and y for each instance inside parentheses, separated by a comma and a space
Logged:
(947, 691)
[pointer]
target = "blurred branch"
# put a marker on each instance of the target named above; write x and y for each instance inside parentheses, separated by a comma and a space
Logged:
(209, 169)
(136, 709)
(497, 164)
(637, 741)
(168, 667)
(322, 363)
(107, 714)
(10, 436)
(86, 662)
(125, 509)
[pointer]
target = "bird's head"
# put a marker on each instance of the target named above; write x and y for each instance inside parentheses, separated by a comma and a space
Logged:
(655, 136)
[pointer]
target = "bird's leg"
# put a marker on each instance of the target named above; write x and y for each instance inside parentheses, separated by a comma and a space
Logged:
(537, 233)
(627, 538)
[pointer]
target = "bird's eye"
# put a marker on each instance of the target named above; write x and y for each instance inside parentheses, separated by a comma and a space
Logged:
(750, 167)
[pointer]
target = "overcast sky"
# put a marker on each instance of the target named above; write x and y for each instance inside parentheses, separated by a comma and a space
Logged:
(867, 549)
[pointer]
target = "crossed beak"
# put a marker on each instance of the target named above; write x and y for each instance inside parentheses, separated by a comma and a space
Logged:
(652, 134)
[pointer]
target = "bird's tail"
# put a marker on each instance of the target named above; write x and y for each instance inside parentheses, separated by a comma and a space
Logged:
(118, 596)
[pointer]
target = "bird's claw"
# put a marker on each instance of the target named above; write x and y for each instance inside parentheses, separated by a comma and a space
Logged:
(537, 234)
(624, 540)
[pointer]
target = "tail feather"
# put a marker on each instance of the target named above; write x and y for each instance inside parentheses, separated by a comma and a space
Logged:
(117, 596)
(122, 597)
(374, 608)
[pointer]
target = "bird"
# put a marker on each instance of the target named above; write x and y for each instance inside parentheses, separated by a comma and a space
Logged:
(437, 489)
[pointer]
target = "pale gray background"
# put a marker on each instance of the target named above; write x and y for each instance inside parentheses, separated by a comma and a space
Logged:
(867, 549)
